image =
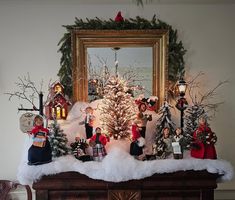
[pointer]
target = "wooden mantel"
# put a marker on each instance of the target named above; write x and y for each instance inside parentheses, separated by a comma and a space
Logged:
(178, 185)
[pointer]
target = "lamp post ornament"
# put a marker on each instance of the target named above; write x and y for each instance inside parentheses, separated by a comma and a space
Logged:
(182, 102)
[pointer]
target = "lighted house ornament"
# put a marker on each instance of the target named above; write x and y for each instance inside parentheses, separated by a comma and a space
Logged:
(57, 104)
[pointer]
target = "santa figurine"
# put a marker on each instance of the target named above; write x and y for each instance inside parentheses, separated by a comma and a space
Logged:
(203, 145)
(98, 142)
(40, 151)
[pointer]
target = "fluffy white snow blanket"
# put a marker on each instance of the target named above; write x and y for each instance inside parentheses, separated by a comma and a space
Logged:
(120, 166)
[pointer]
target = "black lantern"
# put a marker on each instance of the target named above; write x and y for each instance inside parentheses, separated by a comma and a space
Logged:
(182, 102)
(182, 86)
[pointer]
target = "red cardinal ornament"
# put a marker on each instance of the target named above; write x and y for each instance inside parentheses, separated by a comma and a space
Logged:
(119, 17)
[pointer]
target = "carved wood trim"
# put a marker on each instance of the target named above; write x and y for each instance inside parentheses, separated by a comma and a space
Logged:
(6, 186)
(124, 195)
(178, 185)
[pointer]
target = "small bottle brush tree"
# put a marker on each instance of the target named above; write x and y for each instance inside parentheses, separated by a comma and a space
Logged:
(118, 109)
(163, 121)
(58, 141)
(192, 115)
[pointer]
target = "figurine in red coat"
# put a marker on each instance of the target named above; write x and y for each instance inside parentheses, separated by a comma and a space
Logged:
(204, 141)
(40, 151)
(98, 142)
(138, 142)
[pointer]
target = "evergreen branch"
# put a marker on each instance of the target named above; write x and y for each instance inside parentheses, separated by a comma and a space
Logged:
(176, 49)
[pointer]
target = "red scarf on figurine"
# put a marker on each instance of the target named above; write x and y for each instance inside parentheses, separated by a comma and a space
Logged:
(102, 139)
(37, 129)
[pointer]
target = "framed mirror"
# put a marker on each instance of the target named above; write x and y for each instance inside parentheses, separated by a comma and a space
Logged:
(153, 41)
(133, 64)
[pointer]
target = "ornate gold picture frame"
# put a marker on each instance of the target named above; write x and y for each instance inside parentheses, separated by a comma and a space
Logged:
(83, 39)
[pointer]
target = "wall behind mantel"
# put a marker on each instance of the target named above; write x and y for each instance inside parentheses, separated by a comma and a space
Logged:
(30, 31)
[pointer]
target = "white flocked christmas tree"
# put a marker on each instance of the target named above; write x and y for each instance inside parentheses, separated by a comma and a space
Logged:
(191, 117)
(163, 121)
(118, 109)
(58, 140)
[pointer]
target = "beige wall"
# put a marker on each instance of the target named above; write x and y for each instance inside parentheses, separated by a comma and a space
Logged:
(30, 31)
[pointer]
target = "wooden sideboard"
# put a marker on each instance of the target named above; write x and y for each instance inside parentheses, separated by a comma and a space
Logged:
(175, 186)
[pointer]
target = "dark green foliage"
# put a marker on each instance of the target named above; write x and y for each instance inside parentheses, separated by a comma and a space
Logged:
(65, 72)
(176, 50)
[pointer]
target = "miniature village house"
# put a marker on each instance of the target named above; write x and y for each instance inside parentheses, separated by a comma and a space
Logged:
(57, 104)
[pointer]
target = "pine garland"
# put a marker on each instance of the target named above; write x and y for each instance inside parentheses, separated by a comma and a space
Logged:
(176, 49)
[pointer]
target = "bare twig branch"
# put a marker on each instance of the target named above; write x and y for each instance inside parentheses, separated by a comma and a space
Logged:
(20, 95)
(27, 90)
(193, 81)
(203, 99)
(192, 85)
(49, 92)
(211, 93)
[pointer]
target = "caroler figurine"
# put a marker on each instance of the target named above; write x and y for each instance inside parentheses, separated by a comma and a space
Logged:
(203, 145)
(167, 139)
(143, 119)
(98, 142)
(163, 146)
(88, 121)
(79, 149)
(137, 144)
(40, 151)
(176, 144)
